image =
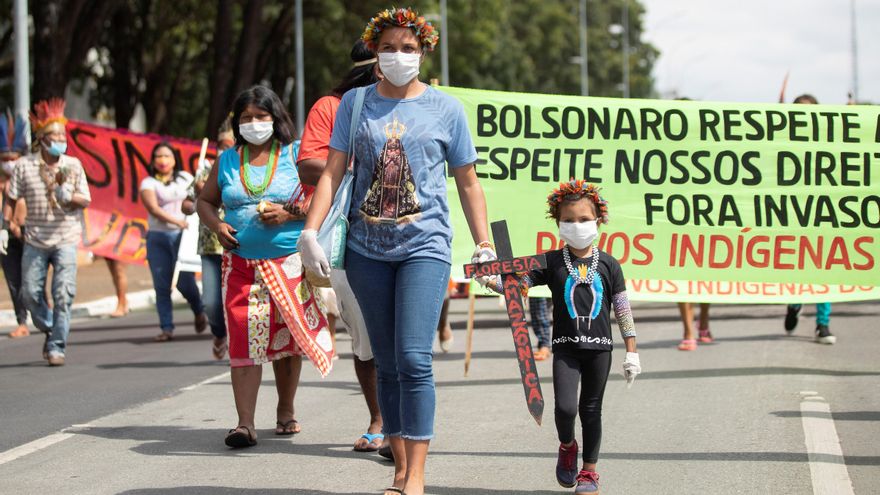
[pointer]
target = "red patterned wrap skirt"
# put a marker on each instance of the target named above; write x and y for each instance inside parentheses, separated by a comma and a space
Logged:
(272, 312)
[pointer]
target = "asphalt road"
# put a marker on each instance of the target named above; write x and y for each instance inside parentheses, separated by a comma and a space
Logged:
(739, 416)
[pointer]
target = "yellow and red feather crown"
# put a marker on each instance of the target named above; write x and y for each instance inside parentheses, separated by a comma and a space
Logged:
(46, 113)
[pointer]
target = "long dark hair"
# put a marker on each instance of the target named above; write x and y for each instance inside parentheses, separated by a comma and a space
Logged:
(363, 75)
(264, 99)
(178, 166)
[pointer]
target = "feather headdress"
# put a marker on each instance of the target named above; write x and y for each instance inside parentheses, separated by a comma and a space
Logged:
(12, 134)
(575, 189)
(400, 17)
(46, 113)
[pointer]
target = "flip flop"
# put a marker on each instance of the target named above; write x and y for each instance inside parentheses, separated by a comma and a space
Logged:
(238, 439)
(543, 353)
(220, 350)
(164, 337)
(371, 439)
(287, 428)
(19, 332)
(394, 489)
(687, 345)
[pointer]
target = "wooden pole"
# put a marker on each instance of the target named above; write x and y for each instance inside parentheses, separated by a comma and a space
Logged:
(472, 297)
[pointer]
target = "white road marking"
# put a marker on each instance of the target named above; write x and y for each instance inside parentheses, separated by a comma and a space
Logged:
(31, 447)
(50, 440)
(213, 379)
(827, 467)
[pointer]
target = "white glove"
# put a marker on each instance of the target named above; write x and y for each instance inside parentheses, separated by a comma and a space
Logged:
(313, 257)
(64, 193)
(631, 368)
(483, 253)
(4, 241)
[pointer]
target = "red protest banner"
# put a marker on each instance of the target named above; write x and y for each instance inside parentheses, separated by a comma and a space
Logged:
(115, 162)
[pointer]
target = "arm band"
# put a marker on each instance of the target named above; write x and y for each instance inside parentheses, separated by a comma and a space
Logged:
(623, 314)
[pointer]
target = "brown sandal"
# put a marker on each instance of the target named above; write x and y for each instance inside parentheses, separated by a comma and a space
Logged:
(164, 337)
(238, 439)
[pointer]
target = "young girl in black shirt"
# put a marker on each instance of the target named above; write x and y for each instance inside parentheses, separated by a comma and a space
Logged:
(585, 283)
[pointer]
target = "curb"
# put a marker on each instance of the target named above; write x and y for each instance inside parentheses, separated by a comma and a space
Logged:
(99, 307)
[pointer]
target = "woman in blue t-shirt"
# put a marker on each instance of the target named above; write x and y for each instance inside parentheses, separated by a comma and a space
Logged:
(398, 253)
(272, 313)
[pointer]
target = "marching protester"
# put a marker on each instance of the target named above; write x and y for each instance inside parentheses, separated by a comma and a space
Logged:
(51, 187)
(399, 245)
(162, 193)
(120, 285)
(585, 283)
(444, 329)
(312, 158)
(272, 313)
(688, 342)
(209, 249)
(12, 146)
(540, 310)
(823, 334)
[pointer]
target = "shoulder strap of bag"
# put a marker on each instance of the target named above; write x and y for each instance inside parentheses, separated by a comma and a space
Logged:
(343, 194)
(355, 118)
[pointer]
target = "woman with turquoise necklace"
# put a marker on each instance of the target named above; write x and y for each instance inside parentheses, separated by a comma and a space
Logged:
(272, 313)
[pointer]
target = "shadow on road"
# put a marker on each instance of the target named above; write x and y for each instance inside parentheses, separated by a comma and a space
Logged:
(163, 364)
(145, 340)
(191, 442)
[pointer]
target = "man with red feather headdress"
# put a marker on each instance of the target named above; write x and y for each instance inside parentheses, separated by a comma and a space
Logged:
(51, 187)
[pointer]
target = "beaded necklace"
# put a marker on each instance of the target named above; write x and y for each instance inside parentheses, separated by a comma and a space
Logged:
(244, 172)
(163, 180)
(48, 177)
(578, 274)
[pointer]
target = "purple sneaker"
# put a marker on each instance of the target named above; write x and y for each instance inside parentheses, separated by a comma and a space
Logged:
(588, 483)
(566, 465)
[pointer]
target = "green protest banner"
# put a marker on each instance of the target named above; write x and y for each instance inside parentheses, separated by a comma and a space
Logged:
(697, 191)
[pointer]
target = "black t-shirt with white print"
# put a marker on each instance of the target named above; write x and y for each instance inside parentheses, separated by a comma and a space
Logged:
(577, 323)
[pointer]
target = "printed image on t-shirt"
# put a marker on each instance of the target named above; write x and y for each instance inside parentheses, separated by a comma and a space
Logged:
(404, 151)
(581, 315)
(581, 311)
(392, 195)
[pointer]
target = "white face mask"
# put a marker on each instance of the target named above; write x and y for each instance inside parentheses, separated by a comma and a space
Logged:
(579, 235)
(257, 132)
(400, 68)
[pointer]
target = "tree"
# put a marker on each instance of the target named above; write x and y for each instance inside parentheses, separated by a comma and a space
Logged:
(64, 32)
(184, 61)
(528, 45)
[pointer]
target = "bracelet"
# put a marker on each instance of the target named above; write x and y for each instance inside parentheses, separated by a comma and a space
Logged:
(486, 244)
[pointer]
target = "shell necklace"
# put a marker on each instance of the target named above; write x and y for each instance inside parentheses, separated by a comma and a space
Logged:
(581, 274)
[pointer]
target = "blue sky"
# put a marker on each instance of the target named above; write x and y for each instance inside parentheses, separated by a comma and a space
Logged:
(740, 51)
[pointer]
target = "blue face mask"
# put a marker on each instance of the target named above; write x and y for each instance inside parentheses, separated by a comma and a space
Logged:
(57, 148)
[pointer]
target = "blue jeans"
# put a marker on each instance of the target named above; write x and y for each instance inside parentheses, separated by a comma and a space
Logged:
(162, 256)
(539, 307)
(55, 323)
(212, 293)
(401, 303)
(11, 263)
